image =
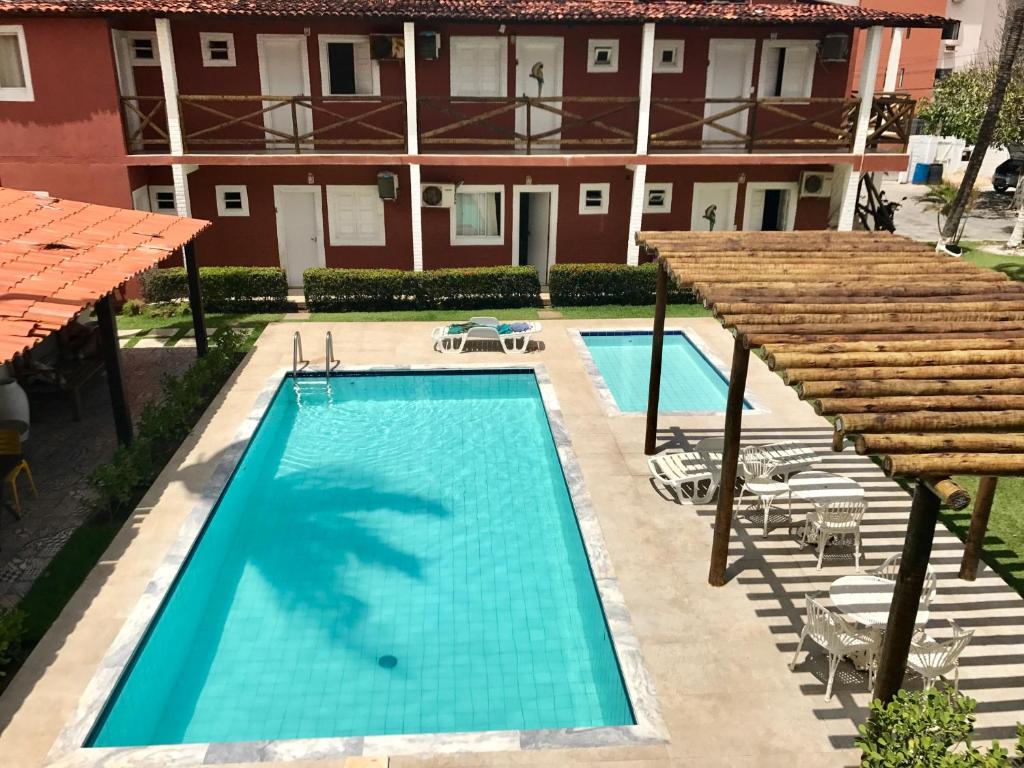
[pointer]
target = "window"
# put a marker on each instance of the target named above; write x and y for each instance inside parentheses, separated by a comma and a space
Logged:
(346, 68)
(355, 215)
(602, 56)
(479, 66)
(951, 29)
(668, 55)
(770, 206)
(161, 200)
(594, 198)
(218, 49)
(657, 198)
(143, 49)
(787, 68)
(477, 216)
(942, 74)
(15, 79)
(232, 200)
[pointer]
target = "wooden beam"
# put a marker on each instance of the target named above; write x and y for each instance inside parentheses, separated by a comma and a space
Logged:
(902, 359)
(922, 464)
(852, 405)
(657, 348)
(195, 299)
(910, 344)
(768, 339)
(912, 327)
(895, 387)
(940, 442)
(853, 316)
(111, 348)
(906, 599)
(912, 373)
(952, 495)
(979, 526)
(929, 421)
(730, 459)
(735, 309)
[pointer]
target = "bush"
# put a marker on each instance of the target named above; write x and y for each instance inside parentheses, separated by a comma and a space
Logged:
(225, 289)
(927, 729)
(12, 628)
(574, 285)
(368, 290)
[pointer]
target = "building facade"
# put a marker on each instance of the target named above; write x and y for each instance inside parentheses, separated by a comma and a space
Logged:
(418, 135)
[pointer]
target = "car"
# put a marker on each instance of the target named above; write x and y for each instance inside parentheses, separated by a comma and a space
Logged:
(1008, 173)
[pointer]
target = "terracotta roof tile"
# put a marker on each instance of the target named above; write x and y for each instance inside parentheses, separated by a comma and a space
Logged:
(741, 12)
(59, 256)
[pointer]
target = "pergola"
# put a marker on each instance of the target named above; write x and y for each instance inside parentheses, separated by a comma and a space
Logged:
(58, 257)
(916, 356)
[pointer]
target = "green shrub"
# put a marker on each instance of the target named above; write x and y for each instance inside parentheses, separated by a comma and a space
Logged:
(225, 289)
(12, 628)
(926, 729)
(576, 285)
(132, 307)
(368, 290)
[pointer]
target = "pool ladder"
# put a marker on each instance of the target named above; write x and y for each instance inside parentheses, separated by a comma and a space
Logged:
(299, 363)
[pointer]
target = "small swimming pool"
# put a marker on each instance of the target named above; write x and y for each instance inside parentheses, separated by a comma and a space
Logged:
(689, 382)
(400, 556)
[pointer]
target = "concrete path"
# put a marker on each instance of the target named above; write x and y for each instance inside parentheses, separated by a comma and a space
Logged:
(992, 219)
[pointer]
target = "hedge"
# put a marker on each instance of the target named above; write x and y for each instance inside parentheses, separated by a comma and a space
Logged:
(574, 285)
(225, 289)
(369, 290)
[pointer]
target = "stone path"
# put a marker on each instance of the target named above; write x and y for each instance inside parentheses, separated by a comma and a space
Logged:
(163, 338)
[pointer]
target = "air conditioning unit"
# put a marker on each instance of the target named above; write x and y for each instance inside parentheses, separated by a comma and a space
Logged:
(437, 195)
(387, 47)
(387, 185)
(428, 45)
(950, 45)
(813, 184)
(835, 48)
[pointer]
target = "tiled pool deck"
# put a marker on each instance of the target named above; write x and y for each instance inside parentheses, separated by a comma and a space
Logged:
(717, 656)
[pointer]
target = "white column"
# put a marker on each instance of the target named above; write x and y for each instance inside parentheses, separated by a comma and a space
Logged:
(643, 128)
(412, 142)
(866, 91)
(892, 66)
(169, 77)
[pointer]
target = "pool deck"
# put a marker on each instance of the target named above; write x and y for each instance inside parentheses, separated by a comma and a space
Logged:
(718, 657)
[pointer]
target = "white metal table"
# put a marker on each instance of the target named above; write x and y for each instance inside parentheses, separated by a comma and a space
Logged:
(822, 488)
(866, 600)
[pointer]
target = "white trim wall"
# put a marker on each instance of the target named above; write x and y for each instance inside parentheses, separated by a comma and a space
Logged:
(866, 92)
(517, 189)
(791, 187)
(412, 143)
(643, 125)
(22, 92)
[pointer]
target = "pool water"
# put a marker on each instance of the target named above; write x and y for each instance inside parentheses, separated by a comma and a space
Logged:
(689, 382)
(400, 558)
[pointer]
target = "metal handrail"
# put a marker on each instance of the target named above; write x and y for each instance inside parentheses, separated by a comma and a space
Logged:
(297, 356)
(329, 361)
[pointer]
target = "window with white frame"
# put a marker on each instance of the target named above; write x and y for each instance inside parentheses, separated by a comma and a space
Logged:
(161, 199)
(787, 68)
(602, 56)
(657, 198)
(232, 200)
(478, 215)
(668, 55)
(218, 49)
(143, 50)
(594, 198)
(346, 68)
(479, 66)
(15, 78)
(355, 215)
(770, 206)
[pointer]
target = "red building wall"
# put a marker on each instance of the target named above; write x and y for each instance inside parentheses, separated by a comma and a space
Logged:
(920, 52)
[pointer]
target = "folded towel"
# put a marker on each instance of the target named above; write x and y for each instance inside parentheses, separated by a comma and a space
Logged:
(460, 328)
(504, 328)
(520, 327)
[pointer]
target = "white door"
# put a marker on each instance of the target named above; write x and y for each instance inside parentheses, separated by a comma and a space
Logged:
(284, 72)
(730, 76)
(714, 207)
(539, 56)
(300, 228)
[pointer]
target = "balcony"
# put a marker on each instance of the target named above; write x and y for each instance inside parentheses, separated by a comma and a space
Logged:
(514, 125)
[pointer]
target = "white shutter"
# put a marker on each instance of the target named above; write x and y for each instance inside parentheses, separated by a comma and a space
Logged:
(754, 214)
(798, 71)
(363, 65)
(478, 66)
(355, 215)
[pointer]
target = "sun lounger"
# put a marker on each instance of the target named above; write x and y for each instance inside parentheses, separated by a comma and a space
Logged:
(514, 337)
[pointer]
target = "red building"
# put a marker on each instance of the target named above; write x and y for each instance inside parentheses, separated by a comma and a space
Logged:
(419, 134)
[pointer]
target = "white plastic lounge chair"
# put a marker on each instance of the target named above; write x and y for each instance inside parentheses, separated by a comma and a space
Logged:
(791, 457)
(838, 637)
(890, 570)
(483, 329)
(841, 519)
(759, 479)
(932, 659)
(693, 475)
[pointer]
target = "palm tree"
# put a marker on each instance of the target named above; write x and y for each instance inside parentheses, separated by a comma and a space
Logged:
(941, 197)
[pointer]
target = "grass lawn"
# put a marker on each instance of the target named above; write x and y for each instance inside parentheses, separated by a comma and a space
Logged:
(1011, 265)
(617, 310)
(441, 315)
(184, 322)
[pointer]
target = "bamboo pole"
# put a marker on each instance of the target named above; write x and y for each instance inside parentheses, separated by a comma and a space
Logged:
(979, 526)
(734, 309)
(908, 345)
(868, 328)
(768, 339)
(919, 464)
(899, 404)
(657, 348)
(902, 359)
(896, 387)
(850, 291)
(853, 319)
(929, 421)
(914, 373)
(940, 442)
(949, 493)
(998, 292)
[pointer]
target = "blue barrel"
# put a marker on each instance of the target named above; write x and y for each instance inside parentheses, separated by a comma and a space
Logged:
(920, 174)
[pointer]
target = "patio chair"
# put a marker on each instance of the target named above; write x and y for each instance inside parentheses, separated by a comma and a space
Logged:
(759, 479)
(686, 473)
(12, 464)
(890, 569)
(839, 519)
(454, 337)
(838, 637)
(932, 659)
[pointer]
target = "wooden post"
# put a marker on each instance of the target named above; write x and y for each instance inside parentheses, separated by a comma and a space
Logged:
(111, 349)
(295, 126)
(657, 347)
(529, 129)
(979, 525)
(906, 598)
(730, 458)
(195, 299)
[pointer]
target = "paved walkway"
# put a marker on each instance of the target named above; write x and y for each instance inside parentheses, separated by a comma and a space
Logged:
(991, 220)
(718, 657)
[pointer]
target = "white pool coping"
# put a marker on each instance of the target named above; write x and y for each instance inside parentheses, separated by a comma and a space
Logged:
(69, 750)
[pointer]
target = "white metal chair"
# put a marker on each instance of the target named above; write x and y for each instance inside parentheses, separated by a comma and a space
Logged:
(932, 659)
(759, 479)
(839, 519)
(791, 456)
(838, 637)
(890, 569)
(693, 475)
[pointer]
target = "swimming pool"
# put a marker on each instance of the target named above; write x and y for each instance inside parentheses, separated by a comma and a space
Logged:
(400, 557)
(689, 382)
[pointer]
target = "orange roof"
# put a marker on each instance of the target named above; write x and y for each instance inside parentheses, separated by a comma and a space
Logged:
(58, 257)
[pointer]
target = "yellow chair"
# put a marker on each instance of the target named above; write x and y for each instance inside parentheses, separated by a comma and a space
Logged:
(13, 463)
